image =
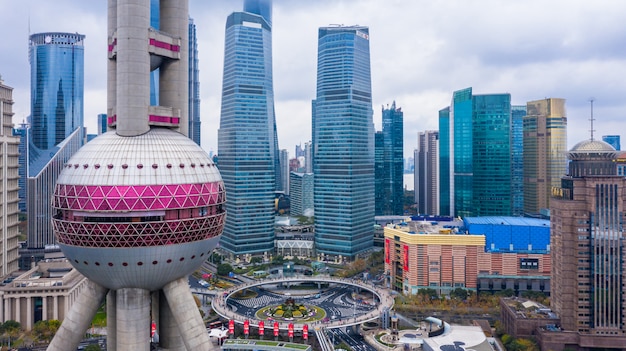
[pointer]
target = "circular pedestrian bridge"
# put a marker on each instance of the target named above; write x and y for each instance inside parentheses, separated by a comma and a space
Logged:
(382, 299)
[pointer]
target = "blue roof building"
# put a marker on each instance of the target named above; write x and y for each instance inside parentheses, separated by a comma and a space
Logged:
(511, 234)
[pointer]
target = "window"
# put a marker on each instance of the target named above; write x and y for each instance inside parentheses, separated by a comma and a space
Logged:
(529, 263)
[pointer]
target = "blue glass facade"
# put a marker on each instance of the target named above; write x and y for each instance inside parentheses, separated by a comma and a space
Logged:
(444, 162)
(343, 143)
(247, 142)
(390, 189)
(491, 155)
(462, 162)
(517, 159)
(194, 131)
(613, 140)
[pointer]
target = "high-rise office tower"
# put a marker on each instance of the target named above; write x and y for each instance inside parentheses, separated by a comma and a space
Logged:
(461, 167)
(56, 122)
(9, 144)
(517, 159)
(613, 140)
(427, 172)
(491, 155)
(545, 146)
(247, 141)
(308, 157)
(139, 208)
(343, 143)
(102, 123)
(194, 86)
(379, 174)
(587, 249)
(390, 189)
(301, 194)
(284, 170)
(445, 165)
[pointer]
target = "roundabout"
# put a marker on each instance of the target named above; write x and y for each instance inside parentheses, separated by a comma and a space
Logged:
(329, 303)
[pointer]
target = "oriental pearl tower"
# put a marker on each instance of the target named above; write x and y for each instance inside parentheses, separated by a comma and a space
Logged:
(139, 208)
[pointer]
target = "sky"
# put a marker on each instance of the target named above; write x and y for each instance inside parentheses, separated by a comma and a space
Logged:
(421, 52)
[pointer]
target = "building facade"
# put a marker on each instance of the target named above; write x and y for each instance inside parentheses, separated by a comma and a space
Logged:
(195, 131)
(419, 256)
(462, 165)
(390, 189)
(587, 216)
(301, 194)
(545, 146)
(343, 143)
(491, 155)
(445, 165)
(284, 171)
(427, 173)
(247, 141)
(57, 84)
(9, 209)
(517, 159)
(45, 292)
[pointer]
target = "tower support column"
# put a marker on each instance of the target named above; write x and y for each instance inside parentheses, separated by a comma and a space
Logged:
(78, 318)
(187, 316)
(133, 319)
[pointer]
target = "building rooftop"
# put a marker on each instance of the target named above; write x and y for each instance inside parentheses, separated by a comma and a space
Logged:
(503, 220)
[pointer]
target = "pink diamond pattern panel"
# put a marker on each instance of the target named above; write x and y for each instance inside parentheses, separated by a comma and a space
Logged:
(137, 198)
(138, 234)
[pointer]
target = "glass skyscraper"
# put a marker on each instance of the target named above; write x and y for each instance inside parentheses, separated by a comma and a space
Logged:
(517, 159)
(343, 143)
(444, 162)
(390, 189)
(491, 155)
(194, 131)
(57, 85)
(613, 140)
(247, 141)
(545, 147)
(461, 153)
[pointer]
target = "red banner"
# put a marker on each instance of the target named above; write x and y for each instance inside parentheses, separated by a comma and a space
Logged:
(246, 327)
(152, 329)
(387, 249)
(261, 328)
(231, 326)
(406, 258)
(276, 329)
(290, 330)
(305, 332)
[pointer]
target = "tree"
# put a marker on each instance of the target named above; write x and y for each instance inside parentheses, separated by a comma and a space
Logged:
(459, 294)
(93, 347)
(428, 292)
(256, 260)
(224, 269)
(45, 329)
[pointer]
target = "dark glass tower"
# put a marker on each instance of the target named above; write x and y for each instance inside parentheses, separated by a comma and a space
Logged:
(194, 85)
(517, 159)
(491, 155)
(247, 141)
(461, 153)
(343, 143)
(56, 123)
(390, 189)
(444, 162)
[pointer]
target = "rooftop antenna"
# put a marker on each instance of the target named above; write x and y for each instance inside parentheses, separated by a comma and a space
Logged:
(591, 119)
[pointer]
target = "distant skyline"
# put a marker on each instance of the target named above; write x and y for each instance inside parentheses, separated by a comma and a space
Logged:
(421, 52)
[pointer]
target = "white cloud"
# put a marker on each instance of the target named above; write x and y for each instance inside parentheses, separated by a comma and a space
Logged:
(421, 51)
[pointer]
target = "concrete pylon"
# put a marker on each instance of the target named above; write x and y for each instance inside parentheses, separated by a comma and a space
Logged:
(170, 337)
(133, 319)
(191, 326)
(79, 318)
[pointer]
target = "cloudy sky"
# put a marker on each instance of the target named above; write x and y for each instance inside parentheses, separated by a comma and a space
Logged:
(421, 51)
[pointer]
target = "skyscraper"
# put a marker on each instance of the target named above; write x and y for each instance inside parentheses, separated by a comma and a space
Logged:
(343, 143)
(445, 166)
(517, 159)
(491, 155)
(9, 210)
(390, 188)
(427, 172)
(461, 153)
(545, 146)
(194, 86)
(57, 81)
(301, 194)
(247, 141)
(284, 170)
(587, 248)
